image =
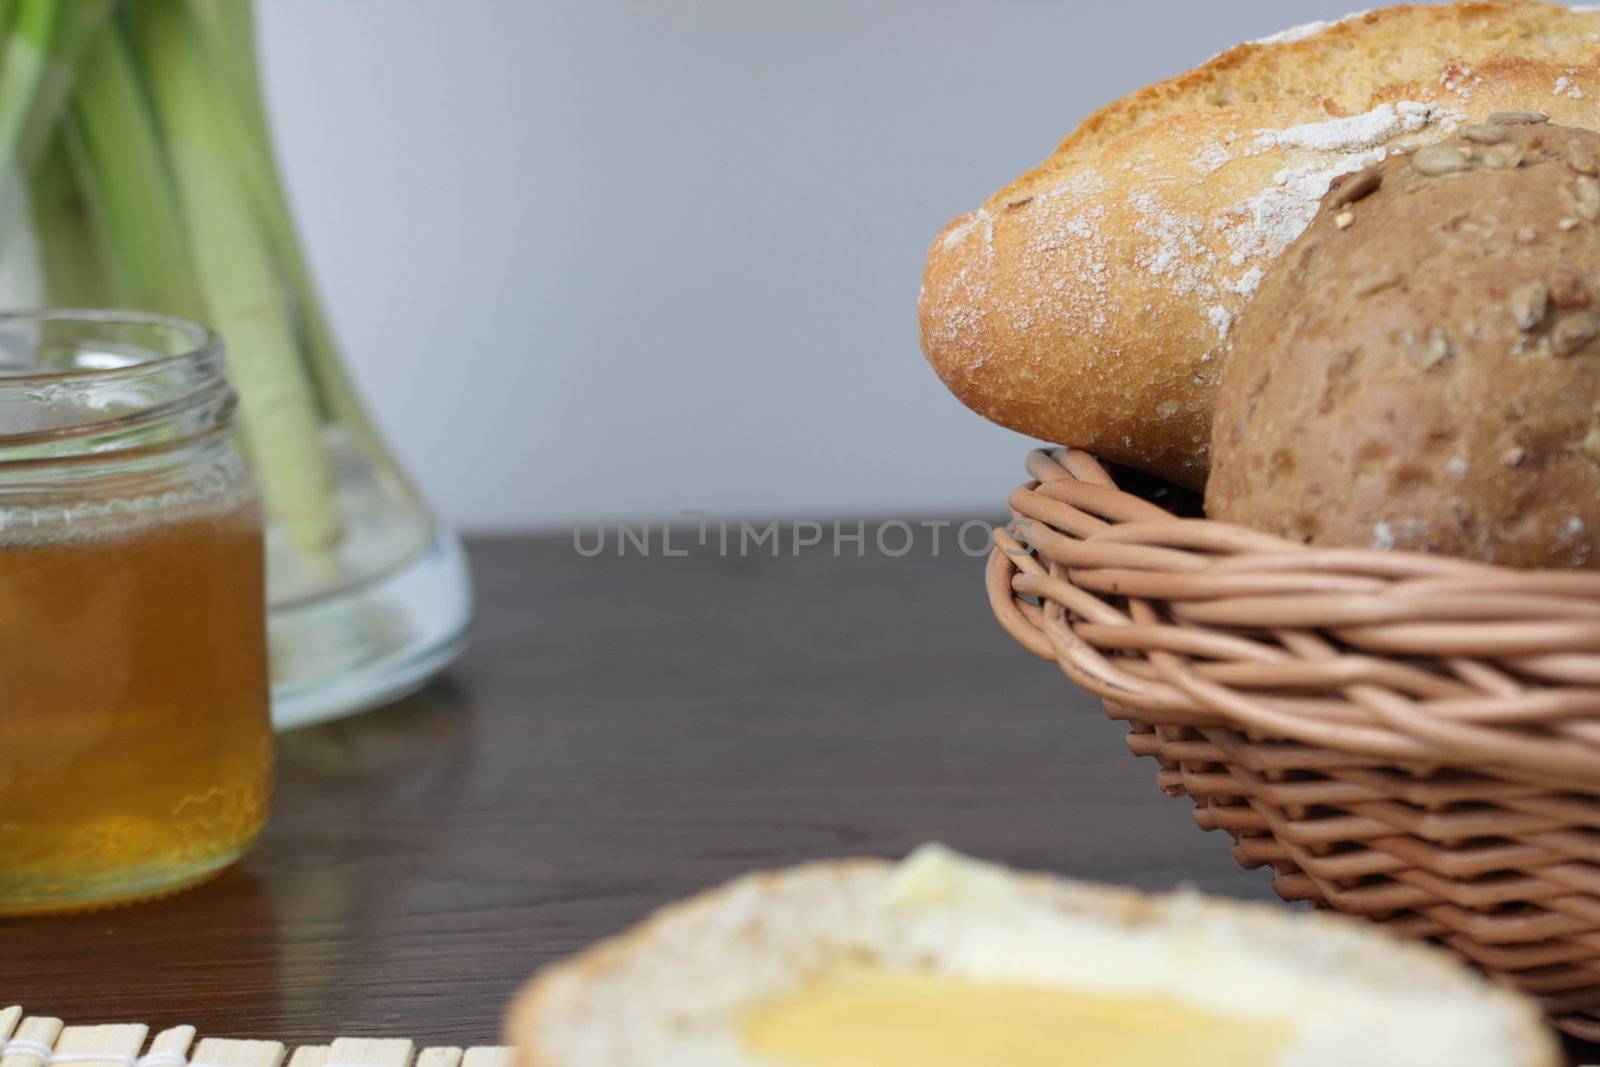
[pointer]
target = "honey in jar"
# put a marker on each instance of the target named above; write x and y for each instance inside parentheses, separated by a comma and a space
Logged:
(135, 746)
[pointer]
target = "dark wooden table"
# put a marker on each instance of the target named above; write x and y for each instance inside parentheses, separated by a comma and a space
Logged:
(623, 732)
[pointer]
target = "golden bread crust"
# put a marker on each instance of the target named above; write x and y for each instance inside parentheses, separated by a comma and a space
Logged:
(1091, 301)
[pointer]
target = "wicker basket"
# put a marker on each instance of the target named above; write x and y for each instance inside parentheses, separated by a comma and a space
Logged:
(1410, 738)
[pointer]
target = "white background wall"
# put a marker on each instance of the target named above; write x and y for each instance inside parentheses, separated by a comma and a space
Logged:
(612, 259)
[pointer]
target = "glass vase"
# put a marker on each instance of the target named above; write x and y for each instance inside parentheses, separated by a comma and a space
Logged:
(139, 174)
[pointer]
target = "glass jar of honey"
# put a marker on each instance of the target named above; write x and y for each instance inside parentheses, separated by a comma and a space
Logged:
(135, 747)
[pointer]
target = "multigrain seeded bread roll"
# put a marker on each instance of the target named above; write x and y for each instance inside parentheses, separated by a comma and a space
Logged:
(1421, 369)
(1092, 301)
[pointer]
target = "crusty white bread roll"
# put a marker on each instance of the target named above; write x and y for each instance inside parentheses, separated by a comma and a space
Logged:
(788, 969)
(1090, 302)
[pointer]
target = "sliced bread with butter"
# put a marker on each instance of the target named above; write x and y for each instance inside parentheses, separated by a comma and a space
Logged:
(942, 961)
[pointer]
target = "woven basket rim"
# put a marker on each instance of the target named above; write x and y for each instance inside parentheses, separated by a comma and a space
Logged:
(1410, 738)
(1417, 659)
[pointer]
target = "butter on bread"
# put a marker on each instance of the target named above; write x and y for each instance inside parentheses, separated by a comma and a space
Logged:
(672, 992)
(1091, 301)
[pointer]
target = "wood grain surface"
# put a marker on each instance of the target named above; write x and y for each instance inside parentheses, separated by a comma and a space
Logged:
(623, 732)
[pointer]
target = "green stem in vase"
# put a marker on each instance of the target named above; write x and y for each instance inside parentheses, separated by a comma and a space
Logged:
(30, 29)
(71, 252)
(228, 29)
(42, 43)
(234, 261)
(117, 150)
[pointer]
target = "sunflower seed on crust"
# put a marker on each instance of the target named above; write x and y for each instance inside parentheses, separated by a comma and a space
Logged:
(1483, 134)
(1353, 188)
(1591, 442)
(1586, 197)
(1505, 156)
(1572, 332)
(1568, 288)
(1435, 348)
(1582, 157)
(1436, 159)
(1373, 281)
(1528, 304)
(1518, 118)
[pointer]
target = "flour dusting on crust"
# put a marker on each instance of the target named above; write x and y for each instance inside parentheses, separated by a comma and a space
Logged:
(1269, 222)
(1350, 133)
(1066, 256)
(1261, 227)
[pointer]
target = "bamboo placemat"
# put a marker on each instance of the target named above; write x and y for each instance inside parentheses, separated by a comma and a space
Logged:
(41, 1041)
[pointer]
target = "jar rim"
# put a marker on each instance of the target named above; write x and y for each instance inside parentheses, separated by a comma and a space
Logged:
(201, 343)
(162, 388)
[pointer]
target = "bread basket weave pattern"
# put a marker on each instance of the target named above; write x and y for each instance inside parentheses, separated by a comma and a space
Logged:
(1413, 739)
